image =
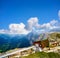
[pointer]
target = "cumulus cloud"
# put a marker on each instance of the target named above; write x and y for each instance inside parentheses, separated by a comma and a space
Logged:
(53, 22)
(32, 25)
(49, 25)
(18, 28)
(15, 27)
(46, 25)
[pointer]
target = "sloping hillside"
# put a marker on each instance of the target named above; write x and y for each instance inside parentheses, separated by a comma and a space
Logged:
(55, 36)
(43, 55)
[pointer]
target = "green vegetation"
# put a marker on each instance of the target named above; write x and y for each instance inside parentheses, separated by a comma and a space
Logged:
(43, 55)
(54, 35)
(4, 47)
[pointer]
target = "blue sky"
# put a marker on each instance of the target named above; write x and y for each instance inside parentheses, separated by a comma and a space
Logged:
(17, 11)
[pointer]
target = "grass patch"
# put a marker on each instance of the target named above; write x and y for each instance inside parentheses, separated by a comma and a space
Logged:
(43, 55)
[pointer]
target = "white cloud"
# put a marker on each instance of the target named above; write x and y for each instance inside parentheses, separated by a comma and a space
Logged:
(50, 25)
(18, 28)
(53, 22)
(46, 25)
(32, 24)
(15, 27)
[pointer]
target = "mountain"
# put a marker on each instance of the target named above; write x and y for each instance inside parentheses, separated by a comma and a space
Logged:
(8, 41)
(12, 41)
(55, 30)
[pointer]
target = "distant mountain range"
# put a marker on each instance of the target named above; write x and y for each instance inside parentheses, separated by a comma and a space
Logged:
(55, 30)
(8, 42)
(11, 41)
